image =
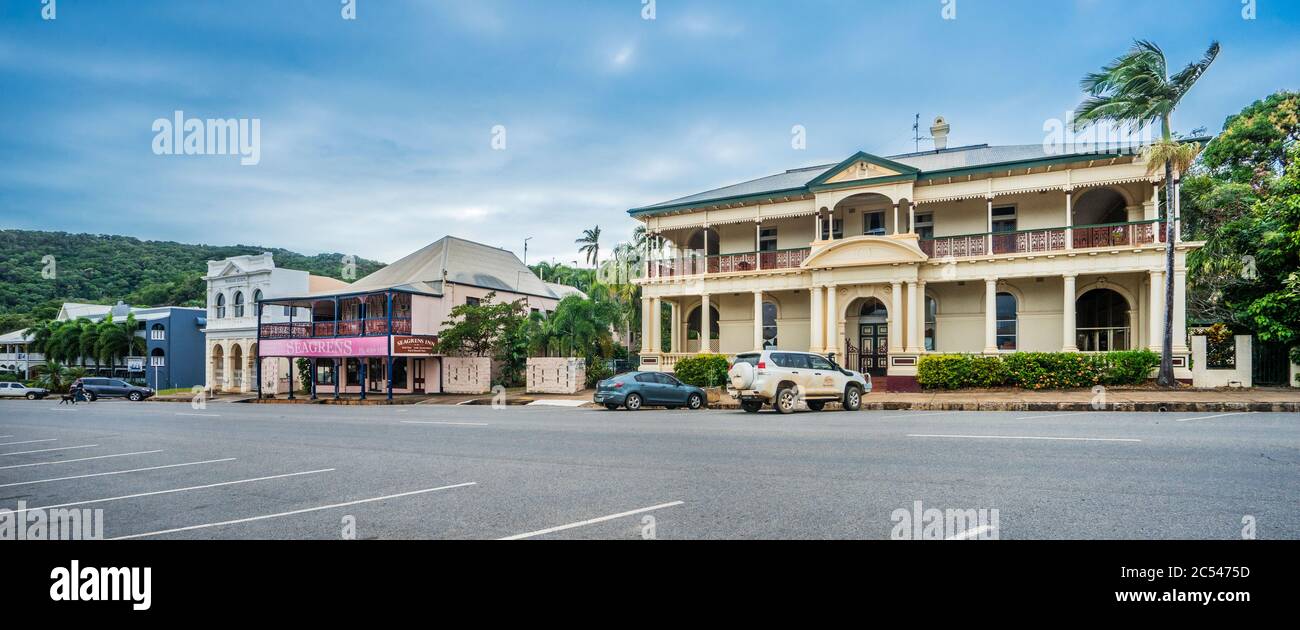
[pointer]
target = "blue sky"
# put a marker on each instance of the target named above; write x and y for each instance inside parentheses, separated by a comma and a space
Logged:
(376, 133)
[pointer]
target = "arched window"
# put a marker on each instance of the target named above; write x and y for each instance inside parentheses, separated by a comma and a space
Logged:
(1007, 328)
(1102, 321)
(157, 358)
(769, 325)
(693, 323)
(221, 306)
(157, 332)
(239, 303)
(257, 297)
(931, 317)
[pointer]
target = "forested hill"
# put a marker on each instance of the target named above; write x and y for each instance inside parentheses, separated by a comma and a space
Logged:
(104, 269)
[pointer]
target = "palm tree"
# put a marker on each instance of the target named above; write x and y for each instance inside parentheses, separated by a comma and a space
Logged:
(1134, 91)
(590, 244)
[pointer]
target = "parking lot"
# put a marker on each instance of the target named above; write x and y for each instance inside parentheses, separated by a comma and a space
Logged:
(247, 471)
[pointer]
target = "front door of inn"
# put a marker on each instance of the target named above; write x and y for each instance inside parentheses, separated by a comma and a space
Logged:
(417, 375)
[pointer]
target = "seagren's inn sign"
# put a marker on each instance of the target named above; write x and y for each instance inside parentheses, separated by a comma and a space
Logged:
(348, 347)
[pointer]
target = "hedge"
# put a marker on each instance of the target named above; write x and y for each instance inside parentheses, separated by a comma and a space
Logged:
(703, 370)
(1036, 370)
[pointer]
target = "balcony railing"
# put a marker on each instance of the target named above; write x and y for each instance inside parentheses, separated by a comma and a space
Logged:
(728, 263)
(370, 327)
(1045, 240)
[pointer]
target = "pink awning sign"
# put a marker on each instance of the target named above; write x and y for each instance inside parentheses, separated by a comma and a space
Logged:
(312, 348)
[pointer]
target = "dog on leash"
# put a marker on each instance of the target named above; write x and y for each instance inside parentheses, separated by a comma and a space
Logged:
(70, 399)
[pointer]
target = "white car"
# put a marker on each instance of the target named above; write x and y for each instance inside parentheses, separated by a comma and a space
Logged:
(782, 378)
(23, 391)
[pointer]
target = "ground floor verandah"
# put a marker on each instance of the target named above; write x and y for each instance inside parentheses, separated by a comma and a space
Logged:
(884, 328)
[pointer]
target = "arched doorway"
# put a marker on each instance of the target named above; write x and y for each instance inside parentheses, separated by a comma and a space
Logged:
(873, 338)
(866, 214)
(1099, 206)
(1101, 321)
(237, 368)
(693, 325)
(251, 365)
(218, 368)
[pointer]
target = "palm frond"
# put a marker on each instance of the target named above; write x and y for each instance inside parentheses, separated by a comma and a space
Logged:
(1187, 77)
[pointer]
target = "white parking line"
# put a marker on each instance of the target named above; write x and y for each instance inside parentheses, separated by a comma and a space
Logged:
(6, 436)
(916, 415)
(1221, 415)
(1055, 415)
(1024, 437)
(29, 441)
(46, 450)
(118, 472)
(970, 533)
(174, 490)
(551, 530)
(464, 424)
(291, 513)
(79, 459)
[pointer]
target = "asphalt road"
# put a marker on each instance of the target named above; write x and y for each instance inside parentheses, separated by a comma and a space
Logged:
(244, 471)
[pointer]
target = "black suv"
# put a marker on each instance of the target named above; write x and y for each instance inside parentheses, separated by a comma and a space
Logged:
(112, 388)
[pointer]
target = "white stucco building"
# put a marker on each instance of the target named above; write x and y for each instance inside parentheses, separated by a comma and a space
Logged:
(234, 287)
(879, 261)
(15, 355)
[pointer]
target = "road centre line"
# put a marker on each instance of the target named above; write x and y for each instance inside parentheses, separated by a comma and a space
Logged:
(467, 424)
(175, 490)
(79, 459)
(46, 450)
(204, 415)
(1221, 415)
(293, 512)
(1024, 437)
(601, 519)
(970, 533)
(118, 472)
(1055, 415)
(29, 442)
(916, 415)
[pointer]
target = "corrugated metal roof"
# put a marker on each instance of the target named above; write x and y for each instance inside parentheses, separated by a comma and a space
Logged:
(795, 180)
(464, 262)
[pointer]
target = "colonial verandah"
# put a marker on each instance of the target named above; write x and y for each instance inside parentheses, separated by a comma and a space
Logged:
(357, 343)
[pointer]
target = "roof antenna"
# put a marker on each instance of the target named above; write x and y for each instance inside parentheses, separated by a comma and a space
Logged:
(916, 133)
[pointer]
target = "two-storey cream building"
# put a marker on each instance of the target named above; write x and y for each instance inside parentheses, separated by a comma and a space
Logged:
(880, 260)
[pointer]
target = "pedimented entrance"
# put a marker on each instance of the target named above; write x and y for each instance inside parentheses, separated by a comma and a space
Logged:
(871, 352)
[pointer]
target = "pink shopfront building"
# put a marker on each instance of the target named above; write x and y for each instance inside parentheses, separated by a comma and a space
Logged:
(378, 335)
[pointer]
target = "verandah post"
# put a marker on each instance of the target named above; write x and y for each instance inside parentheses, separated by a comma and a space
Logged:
(389, 372)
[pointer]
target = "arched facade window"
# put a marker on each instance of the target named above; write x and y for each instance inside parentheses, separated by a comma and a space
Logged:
(1007, 327)
(769, 324)
(1102, 321)
(239, 303)
(931, 319)
(221, 306)
(693, 323)
(157, 358)
(157, 332)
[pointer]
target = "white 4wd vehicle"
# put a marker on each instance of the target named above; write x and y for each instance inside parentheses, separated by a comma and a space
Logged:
(782, 378)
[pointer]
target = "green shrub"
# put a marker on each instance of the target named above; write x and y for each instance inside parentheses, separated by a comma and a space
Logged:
(703, 370)
(597, 370)
(957, 371)
(1036, 370)
(1130, 367)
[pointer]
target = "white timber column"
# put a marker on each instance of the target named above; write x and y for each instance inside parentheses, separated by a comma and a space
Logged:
(817, 225)
(706, 325)
(645, 324)
(990, 315)
(657, 325)
(1180, 310)
(1156, 298)
(896, 218)
(1069, 341)
(913, 319)
(988, 240)
(758, 243)
(832, 320)
(816, 319)
(1069, 218)
(674, 327)
(911, 217)
(896, 317)
(758, 320)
